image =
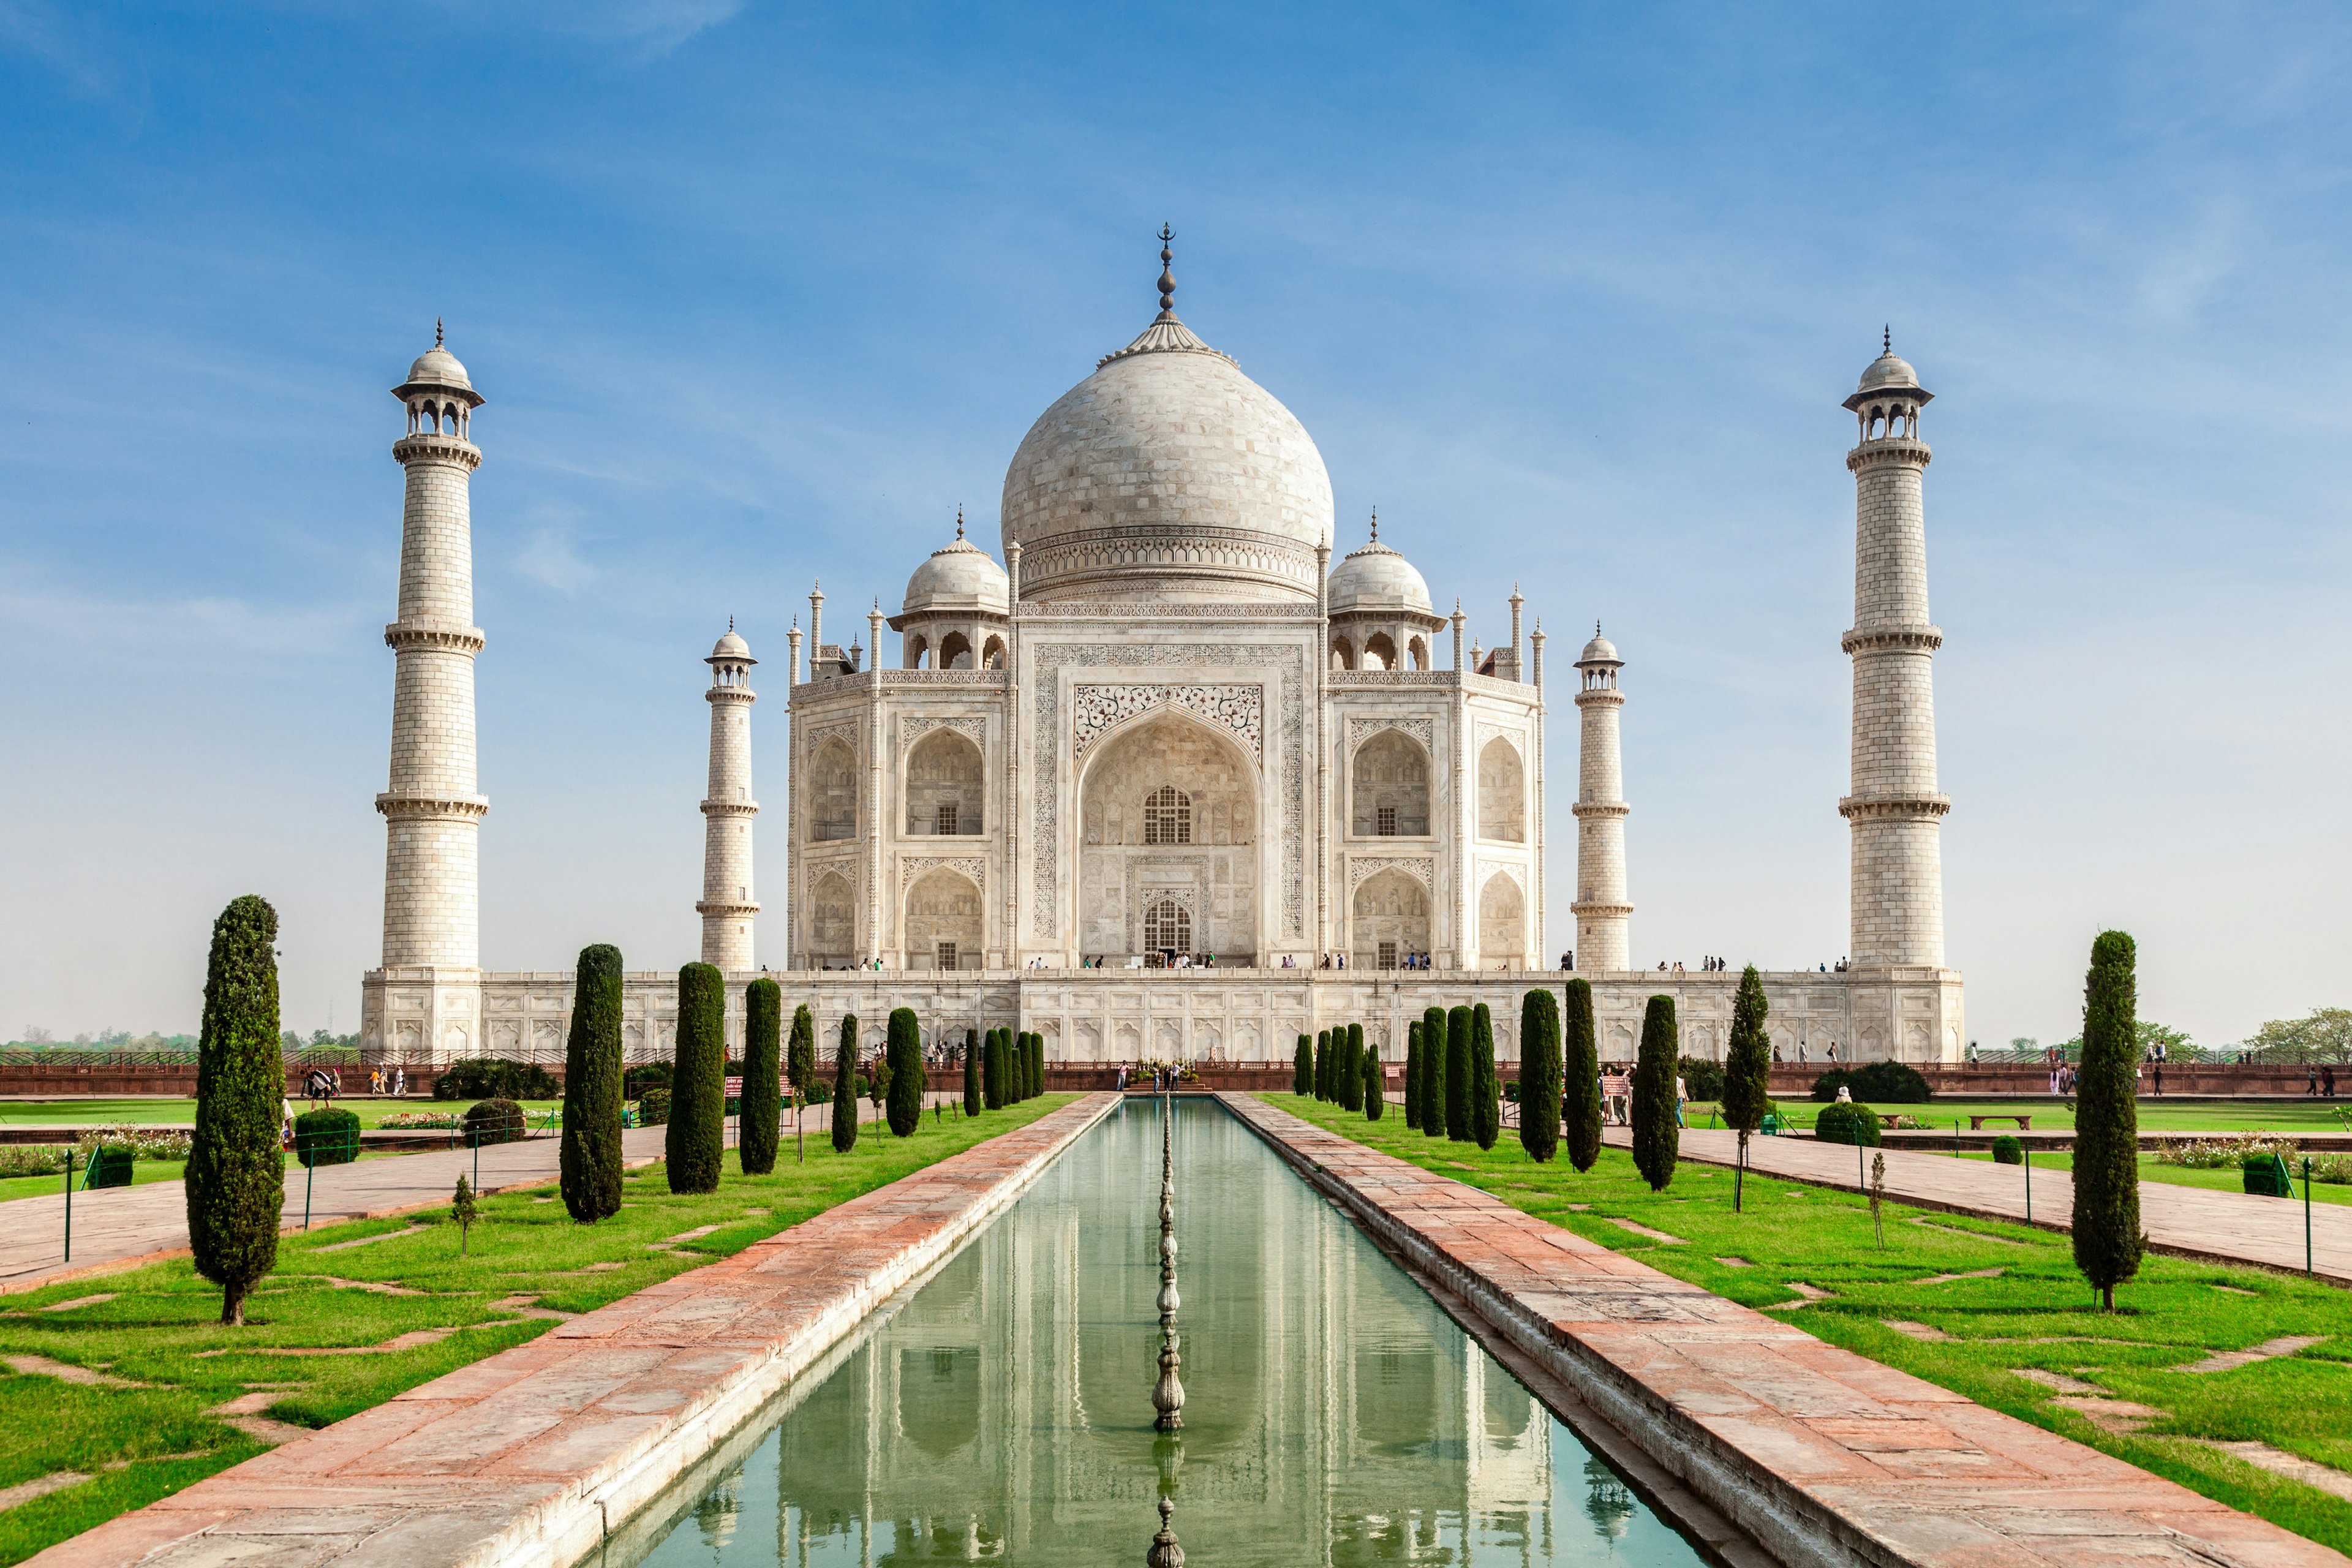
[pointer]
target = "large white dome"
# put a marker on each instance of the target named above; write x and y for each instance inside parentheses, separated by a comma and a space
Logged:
(1167, 474)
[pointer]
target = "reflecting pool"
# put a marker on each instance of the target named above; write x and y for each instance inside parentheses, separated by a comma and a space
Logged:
(1001, 1410)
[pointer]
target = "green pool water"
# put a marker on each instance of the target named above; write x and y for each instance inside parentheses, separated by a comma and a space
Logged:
(1001, 1409)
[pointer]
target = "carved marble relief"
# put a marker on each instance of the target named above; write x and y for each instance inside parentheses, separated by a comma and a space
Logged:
(1096, 710)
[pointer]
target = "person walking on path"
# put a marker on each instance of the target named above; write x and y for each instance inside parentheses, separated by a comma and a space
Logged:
(1682, 1099)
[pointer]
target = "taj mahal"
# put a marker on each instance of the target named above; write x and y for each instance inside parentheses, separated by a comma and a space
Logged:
(1170, 781)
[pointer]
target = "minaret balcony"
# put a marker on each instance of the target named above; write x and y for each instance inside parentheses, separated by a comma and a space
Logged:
(432, 805)
(1904, 451)
(429, 446)
(403, 635)
(1911, 807)
(730, 809)
(1918, 638)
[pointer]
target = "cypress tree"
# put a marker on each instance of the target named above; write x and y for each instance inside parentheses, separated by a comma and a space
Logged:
(1747, 1073)
(972, 1098)
(235, 1177)
(906, 1048)
(1656, 1139)
(1485, 1087)
(1037, 1055)
(1025, 1067)
(1323, 1064)
(697, 1135)
(589, 1162)
(1433, 1072)
(1355, 1066)
(1539, 1085)
(1412, 1074)
(762, 1102)
(2108, 1240)
(1376, 1086)
(844, 1087)
(1302, 1067)
(1457, 1075)
(1581, 1068)
(800, 1068)
(992, 1071)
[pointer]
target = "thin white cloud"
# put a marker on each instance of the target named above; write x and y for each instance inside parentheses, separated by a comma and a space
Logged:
(550, 561)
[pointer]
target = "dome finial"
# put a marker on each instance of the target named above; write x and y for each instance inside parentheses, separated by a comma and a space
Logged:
(1376, 525)
(1166, 278)
(959, 520)
(1886, 339)
(436, 331)
(730, 622)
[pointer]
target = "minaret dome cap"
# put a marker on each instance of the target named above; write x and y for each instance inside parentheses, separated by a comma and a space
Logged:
(1599, 650)
(439, 370)
(730, 649)
(1890, 373)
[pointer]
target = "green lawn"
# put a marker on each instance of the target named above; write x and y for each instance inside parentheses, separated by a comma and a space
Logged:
(2224, 1181)
(142, 1173)
(97, 1112)
(2036, 1315)
(158, 1326)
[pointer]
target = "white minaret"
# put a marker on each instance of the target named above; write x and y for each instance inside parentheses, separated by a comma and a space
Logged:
(1898, 890)
(727, 905)
(432, 890)
(1603, 937)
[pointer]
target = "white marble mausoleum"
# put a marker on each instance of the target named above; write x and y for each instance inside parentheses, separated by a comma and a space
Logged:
(1170, 781)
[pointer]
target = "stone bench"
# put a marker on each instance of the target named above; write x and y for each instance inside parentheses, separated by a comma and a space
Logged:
(1976, 1124)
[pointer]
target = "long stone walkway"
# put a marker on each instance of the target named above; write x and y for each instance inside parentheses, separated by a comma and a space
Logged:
(530, 1455)
(119, 1226)
(1820, 1455)
(2193, 1221)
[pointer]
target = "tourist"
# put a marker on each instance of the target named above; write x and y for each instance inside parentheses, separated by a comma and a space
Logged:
(399, 1082)
(2327, 1082)
(319, 1087)
(1682, 1099)
(1845, 1096)
(2311, 1084)
(1566, 962)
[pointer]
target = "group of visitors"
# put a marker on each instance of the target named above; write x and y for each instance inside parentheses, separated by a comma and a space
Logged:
(1705, 965)
(393, 1082)
(2321, 1082)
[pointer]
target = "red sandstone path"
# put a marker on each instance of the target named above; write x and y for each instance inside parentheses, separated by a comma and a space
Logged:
(2194, 1222)
(118, 1226)
(1823, 1455)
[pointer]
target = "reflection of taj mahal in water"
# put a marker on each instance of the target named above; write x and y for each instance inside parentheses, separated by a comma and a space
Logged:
(1003, 1410)
(1169, 724)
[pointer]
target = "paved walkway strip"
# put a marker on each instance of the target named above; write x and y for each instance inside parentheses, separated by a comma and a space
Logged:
(1820, 1455)
(118, 1226)
(531, 1456)
(2189, 1222)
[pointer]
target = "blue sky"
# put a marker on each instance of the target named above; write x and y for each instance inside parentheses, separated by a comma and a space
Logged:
(1570, 293)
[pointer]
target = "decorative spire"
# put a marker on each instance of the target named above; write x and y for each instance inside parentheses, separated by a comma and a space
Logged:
(1376, 525)
(1166, 278)
(959, 520)
(730, 622)
(1886, 339)
(1596, 625)
(436, 331)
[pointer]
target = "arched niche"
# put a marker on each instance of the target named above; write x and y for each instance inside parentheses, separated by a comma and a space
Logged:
(917, 650)
(833, 791)
(832, 941)
(1388, 919)
(1343, 654)
(955, 651)
(1132, 780)
(943, 922)
(1502, 793)
(1502, 924)
(991, 652)
(1388, 786)
(946, 785)
(1380, 652)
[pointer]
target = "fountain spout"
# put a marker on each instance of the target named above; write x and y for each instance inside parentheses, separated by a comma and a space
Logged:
(1165, 1552)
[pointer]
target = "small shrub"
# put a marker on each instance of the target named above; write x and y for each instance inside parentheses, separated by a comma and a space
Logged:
(1705, 1078)
(1880, 1083)
(2008, 1151)
(1847, 1124)
(327, 1137)
(110, 1165)
(494, 1078)
(496, 1122)
(652, 1108)
(645, 1075)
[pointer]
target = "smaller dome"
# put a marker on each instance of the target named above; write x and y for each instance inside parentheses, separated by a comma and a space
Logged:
(437, 367)
(732, 646)
(1599, 650)
(959, 577)
(1373, 577)
(1889, 369)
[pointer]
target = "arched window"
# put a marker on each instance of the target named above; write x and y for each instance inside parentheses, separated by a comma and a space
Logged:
(1168, 924)
(919, 651)
(1380, 653)
(955, 651)
(1167, 817)
(1502, 794)
(992, 655)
